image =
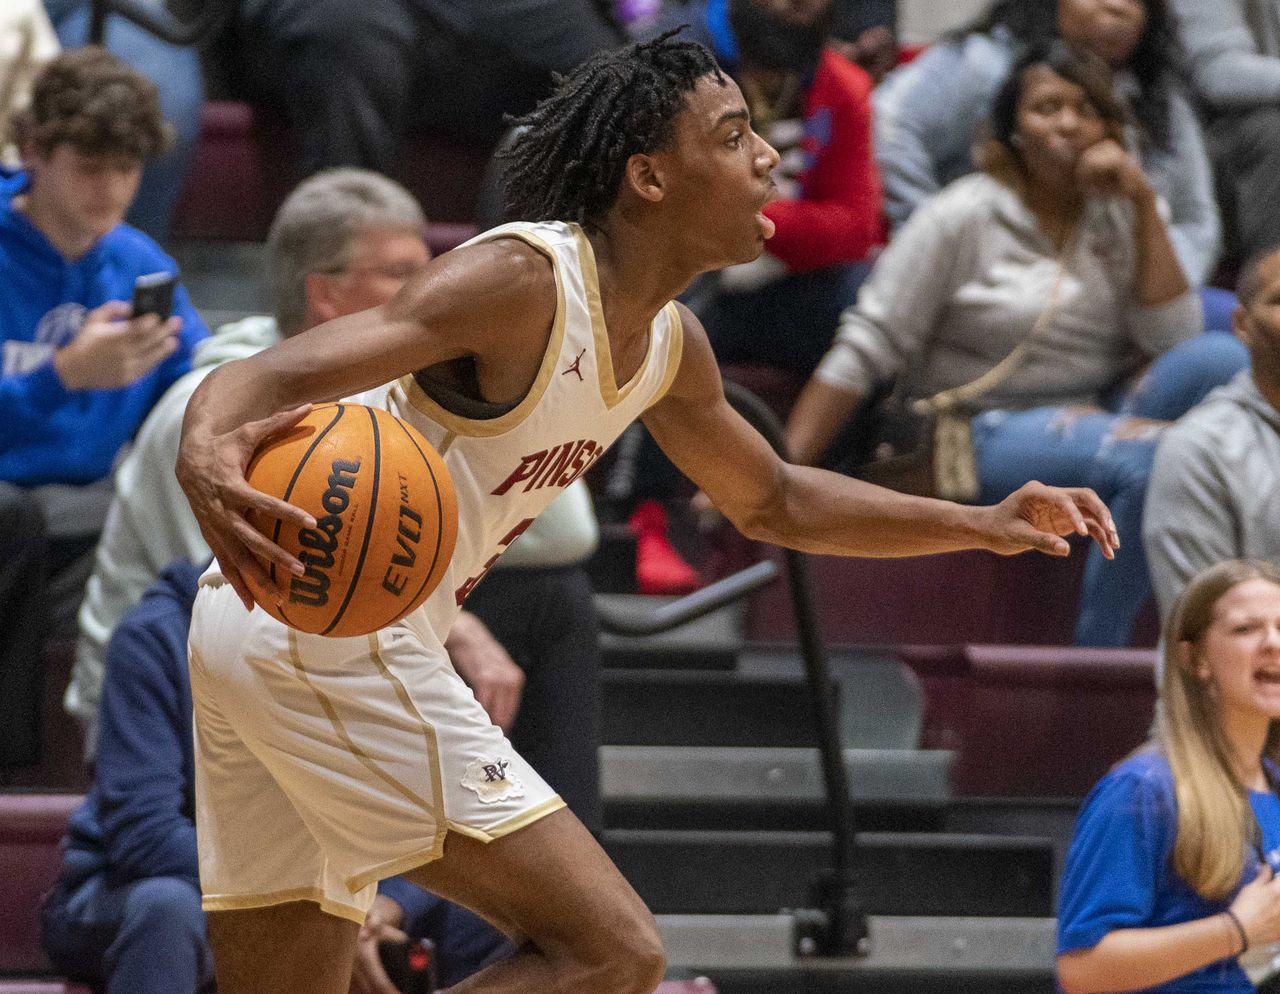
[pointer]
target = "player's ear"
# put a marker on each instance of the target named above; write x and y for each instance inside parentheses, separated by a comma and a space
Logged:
(644, 177)
(1242, 324)
(321, 300)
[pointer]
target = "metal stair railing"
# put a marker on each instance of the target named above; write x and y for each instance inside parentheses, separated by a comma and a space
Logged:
(836, 924)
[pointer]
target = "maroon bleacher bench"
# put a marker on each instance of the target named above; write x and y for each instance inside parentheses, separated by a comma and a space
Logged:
(31, 826)
(243, 168)
(1033, 721)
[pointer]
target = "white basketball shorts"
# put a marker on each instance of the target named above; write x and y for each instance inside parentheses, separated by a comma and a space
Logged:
(324, 765)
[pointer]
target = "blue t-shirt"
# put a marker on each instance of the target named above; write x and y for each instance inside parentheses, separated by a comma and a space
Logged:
(1119, 870)
(49, 434)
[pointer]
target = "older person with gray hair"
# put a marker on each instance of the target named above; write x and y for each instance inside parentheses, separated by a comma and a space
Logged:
(343, 241)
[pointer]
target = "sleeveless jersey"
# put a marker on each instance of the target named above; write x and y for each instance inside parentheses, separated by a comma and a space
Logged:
(508, 468)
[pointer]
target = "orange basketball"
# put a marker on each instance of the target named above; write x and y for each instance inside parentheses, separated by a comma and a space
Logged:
(386, 519)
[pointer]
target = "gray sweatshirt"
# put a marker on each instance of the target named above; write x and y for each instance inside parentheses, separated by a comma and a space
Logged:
(929, 113)
(964, 282)
(1234, 47)
(1215, 488)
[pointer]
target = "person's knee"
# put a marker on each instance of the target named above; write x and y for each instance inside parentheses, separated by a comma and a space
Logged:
(630, 957)
(165, 906)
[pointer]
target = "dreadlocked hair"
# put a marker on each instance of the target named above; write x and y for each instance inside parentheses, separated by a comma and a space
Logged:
(567, 157)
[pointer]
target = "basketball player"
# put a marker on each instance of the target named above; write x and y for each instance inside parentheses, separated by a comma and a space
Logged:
(324, 764)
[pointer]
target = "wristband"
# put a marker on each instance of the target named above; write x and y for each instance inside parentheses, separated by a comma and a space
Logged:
(1244, 938)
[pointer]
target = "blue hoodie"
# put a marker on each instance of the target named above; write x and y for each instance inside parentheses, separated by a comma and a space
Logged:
(138, 820)
(49, 434)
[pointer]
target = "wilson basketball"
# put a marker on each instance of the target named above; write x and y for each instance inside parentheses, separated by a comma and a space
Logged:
(386, 519)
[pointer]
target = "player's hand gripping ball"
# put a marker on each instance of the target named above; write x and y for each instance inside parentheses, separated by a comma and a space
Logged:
(386, 519)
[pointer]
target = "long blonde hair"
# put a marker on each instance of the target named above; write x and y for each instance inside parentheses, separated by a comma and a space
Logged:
(1215, 823)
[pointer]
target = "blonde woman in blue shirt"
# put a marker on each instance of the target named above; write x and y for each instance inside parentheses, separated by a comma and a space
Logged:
(1170, 878)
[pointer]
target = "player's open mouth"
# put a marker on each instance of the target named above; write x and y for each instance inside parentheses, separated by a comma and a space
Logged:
(1267, 676)
(767, 227)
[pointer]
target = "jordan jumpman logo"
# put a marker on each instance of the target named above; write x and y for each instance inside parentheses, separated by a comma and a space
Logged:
(573, 366)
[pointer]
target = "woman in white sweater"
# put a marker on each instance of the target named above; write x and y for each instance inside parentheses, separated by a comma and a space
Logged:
(1062, 211)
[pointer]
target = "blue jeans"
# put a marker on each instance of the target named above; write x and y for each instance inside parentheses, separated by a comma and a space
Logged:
(145, 937)
(1219, 306)
(1062, 448)
(176, 70)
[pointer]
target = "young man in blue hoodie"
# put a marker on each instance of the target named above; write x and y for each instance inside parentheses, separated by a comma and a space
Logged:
(79, 374)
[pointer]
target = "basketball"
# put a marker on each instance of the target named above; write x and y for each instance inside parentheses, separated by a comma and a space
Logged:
(386, 519)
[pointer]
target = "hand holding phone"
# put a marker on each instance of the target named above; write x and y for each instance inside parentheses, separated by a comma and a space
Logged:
(410, 965)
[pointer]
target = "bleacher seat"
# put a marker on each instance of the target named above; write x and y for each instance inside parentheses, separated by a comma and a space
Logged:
(31, 826)
(243, 168)
(1033, 721)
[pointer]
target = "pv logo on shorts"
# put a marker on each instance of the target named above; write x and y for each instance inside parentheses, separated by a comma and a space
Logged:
(492, 780)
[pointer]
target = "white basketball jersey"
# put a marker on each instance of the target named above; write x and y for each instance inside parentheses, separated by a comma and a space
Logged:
(508, 468)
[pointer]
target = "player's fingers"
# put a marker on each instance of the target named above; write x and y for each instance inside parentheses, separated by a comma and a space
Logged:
(1103, 538)
(1042, 541)
(236, 579)
(1091, 505)
(249, 499)
(256, 431)
(258, 549)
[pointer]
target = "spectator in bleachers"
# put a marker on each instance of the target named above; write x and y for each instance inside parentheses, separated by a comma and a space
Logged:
(175, 69)
(1215, 485)
(79, 374)
(1060, 238)
(866, 32)
(351, 76)
(1234, 47)
(1171, 874)
(929, 113)
(27, 42)
(125, 913)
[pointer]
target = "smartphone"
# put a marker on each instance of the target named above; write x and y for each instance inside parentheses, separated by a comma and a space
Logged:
(153, 294)
(410, 965)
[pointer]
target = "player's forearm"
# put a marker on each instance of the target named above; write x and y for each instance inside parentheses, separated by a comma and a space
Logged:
(232, 395)
(1137, 958)
(823, 512)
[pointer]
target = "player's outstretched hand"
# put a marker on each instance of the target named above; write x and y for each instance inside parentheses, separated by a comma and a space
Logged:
(1037, 517)
(211, 470)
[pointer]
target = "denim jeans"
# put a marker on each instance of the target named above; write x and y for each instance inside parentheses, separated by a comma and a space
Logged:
(1060, 447)
(144, 937)
(176, 71)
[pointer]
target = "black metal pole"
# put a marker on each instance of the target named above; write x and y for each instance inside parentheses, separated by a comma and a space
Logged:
(845, 932)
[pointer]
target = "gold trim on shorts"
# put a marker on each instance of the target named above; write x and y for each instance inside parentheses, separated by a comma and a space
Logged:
(247, 902)
(512, 824)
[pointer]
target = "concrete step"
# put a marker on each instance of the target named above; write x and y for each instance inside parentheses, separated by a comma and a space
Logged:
(940, 946)
(713, 775)
(705, 708)
(759, 872)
